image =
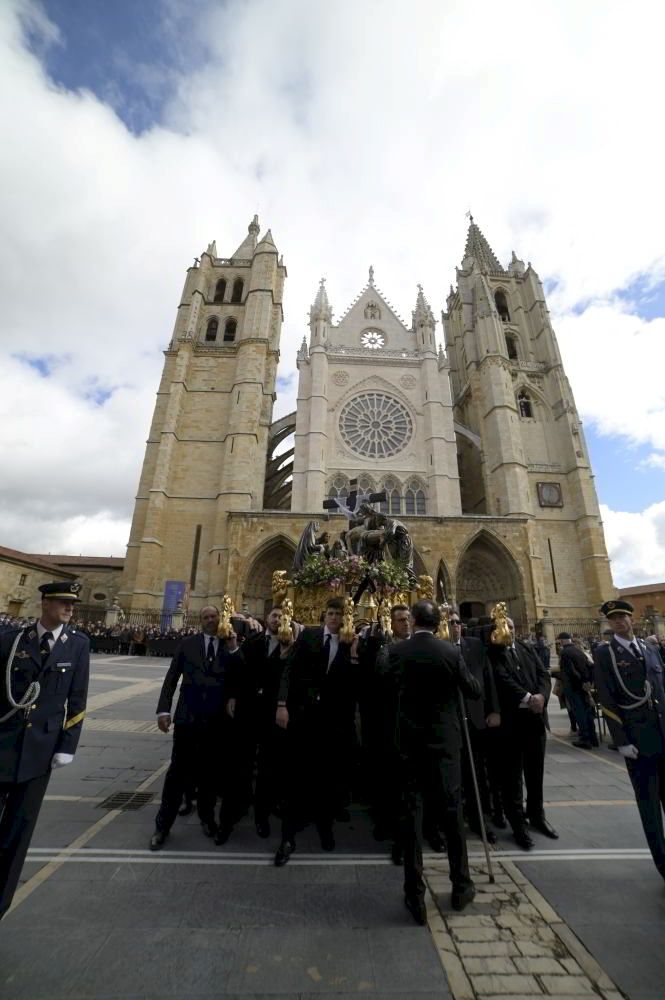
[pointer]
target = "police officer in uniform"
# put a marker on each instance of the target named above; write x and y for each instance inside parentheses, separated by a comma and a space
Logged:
(42, 707)
(629, 684)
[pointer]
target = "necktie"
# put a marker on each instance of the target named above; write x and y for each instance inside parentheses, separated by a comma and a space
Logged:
(326, 646)
(44, 647)
(635, 649)
(211, 650)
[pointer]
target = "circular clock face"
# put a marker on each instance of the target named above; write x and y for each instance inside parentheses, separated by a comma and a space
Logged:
(373, 339)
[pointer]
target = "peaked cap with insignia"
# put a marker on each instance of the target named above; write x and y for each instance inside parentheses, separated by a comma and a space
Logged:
(610, 608)
(62, 590)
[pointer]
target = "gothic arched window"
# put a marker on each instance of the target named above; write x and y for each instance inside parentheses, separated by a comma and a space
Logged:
(339, 488)
(502, 306)
(393, 503)
(220, 290)
(212, 328)
(524, 403)
(414, 499)
(236, 295)
(511, 345)
(230, 328)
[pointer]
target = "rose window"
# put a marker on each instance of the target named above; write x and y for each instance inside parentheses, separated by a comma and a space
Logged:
(373, 339)
(375, 425)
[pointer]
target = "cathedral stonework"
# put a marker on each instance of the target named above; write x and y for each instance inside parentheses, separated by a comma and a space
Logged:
(478, 447)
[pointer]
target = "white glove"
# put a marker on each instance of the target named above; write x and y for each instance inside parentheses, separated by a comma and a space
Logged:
(60, 759)
(629, 751)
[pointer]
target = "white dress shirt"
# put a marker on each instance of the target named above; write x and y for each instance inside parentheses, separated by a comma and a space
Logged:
(55, 632)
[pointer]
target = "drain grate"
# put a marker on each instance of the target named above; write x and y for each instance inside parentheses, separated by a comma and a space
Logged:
(126, 800)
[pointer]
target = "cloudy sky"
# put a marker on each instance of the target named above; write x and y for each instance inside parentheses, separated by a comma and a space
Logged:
(361, 131)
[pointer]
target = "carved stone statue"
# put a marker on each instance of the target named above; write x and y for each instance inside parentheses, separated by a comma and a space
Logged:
(309, 545)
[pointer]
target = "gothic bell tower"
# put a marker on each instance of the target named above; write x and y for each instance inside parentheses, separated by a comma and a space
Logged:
(530, 458)
(206, 452)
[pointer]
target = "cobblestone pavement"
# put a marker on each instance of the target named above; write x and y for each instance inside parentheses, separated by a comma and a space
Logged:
(99, 916)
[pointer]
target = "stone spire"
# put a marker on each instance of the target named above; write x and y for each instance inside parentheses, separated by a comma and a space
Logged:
(267, 243)
(321, 308)
(248, 245)
(422, 314)
(478, 250)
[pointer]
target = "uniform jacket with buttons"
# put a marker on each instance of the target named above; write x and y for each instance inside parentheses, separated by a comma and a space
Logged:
(644, 726)
(29, 739)
(202, 690)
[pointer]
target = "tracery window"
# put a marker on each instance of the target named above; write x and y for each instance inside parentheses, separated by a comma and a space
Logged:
(375, 425)
(414, 499)
(339, 488)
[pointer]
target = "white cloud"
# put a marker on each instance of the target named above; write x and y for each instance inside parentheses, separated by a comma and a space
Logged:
(636, 544)
(361, 136)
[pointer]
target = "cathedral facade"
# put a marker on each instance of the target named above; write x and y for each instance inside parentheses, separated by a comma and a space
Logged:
(478, 445)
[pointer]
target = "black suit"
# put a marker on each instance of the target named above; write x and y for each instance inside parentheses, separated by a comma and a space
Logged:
(199, 725)
(29, 739)
(482, 744)
(632, 718)
(321, 699)
(253, 680)
(519, 671)
(431, 673)
(577, 671)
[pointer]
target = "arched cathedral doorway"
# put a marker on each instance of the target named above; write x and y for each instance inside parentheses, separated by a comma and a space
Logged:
(257, 593)
(488, 573)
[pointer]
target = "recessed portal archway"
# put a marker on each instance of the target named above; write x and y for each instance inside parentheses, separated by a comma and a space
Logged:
(487, 573)
(257, 593)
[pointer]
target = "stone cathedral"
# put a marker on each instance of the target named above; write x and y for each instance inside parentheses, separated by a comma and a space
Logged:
(477, 444)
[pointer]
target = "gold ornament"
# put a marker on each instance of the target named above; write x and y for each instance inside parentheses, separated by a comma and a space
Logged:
(384, 619)
(444, 628)
(225, 628)
(284, 633)
(347, 633)
(501, 634)
(280, 587)
(425, 588)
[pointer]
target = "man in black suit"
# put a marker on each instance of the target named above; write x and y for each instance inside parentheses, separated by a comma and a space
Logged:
(629, 683)
(316, 705)
(431, 675)
(482, 714)
(48, 680)
(524, 686)
(253, 689)
(577, 675)
(201, 661)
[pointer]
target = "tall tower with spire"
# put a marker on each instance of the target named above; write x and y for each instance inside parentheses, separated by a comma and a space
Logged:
(206, 452)
(525, 456)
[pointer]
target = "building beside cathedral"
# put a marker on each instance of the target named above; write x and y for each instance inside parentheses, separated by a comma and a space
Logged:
(478, 445)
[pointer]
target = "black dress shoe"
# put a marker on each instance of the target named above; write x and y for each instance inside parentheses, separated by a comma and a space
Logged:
(462, 897)
(187, 809)
(523, 840)
(284, 852)
(499, 821)
(397, 854)
(222, 834)
(157, 840)
(327, 840)
(437, 843)
(416, 907)
(545, 828)
(490, 834)
(263, 828)
(581, 745)
(209, 829)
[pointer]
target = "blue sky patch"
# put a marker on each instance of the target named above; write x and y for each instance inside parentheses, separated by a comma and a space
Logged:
(129, 53)
(621, 481)
(646, 298)
(44, 365)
